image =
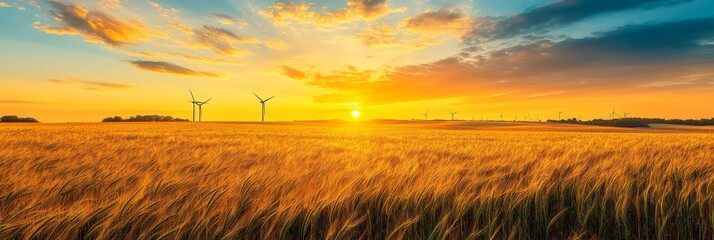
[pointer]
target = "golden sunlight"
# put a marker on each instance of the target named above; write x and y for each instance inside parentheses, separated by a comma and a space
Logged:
(355, 114)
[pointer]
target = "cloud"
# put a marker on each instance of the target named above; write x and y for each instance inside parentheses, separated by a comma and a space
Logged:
(557, 14)
(277, 44)
(384, 35)
(221, 40)
(93, 85)
(189, 57)
(443, 20)
(293, 73)
(378, 35)
(670, 53)
(170, 68)
(96, 26)
(110, 4)
(283, 12)
(229, 20)
(4, 5)
(15, 102)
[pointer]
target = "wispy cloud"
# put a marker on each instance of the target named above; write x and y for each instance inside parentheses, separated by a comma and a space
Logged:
(283, 12)
(170, 68)
(5, 101)
(221, 40)
(93, 85)
(96, 26)
(443, 20)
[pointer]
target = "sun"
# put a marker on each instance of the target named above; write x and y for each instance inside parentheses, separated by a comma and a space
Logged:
(355, 114)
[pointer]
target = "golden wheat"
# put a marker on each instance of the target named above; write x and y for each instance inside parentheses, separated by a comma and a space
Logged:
(297, 181)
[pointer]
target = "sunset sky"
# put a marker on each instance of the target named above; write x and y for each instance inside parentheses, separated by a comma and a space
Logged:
(68, 61)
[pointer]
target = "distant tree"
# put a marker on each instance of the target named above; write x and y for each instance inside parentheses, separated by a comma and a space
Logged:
(113, 119)
(639, 122)
(145, 118)
(13, 118)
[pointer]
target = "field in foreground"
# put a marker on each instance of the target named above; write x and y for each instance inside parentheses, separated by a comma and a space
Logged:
(347, 181)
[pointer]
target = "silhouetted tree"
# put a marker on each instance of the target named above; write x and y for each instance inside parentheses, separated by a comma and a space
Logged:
(13, 118)
(145, 118)
(639, 122)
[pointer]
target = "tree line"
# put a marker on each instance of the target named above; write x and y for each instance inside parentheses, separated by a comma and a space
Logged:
(638, 122)
(144, 118)
(13, 118)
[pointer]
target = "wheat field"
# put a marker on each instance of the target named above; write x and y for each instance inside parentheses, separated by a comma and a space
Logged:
(353, 181)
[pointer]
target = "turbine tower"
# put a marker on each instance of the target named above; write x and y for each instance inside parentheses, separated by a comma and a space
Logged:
(501, 116)
(193, 104)
(559, 113)
(624, 114)
(262, 103)
(613, 114)
(452, 115)
(200, 109)
(426, 115)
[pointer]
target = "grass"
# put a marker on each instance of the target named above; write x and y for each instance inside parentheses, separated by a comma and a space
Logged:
(351, 181)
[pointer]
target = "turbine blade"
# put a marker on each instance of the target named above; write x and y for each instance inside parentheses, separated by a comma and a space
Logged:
(256, 95)
(207, 100)
(189, 90)
(269, 98)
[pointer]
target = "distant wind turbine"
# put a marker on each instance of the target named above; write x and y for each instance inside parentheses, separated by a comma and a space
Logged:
(501, 116)
(613, 114)
(452, 115)
(624, 114)
(426, 115)
(262, 103)
(200, 109)
(473, 118)
(559, 113)
(195, 103)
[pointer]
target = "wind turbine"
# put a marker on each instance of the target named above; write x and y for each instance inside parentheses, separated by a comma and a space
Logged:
(193, 104)
(262, 103)
(613, 114)
(426, 114)
(559, 113)
(200, 108)
(452, 115)
(473, 118)
(624, 114)
(501, 116)
(529, 117)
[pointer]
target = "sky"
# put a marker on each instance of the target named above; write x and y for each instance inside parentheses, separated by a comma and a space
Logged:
(82, 61)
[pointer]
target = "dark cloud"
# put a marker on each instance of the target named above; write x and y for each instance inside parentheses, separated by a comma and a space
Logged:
(368, 8)
(677, 53)
(95, 26)
(170, 68)
(557, 14)
(670, 42)
(92, 85)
